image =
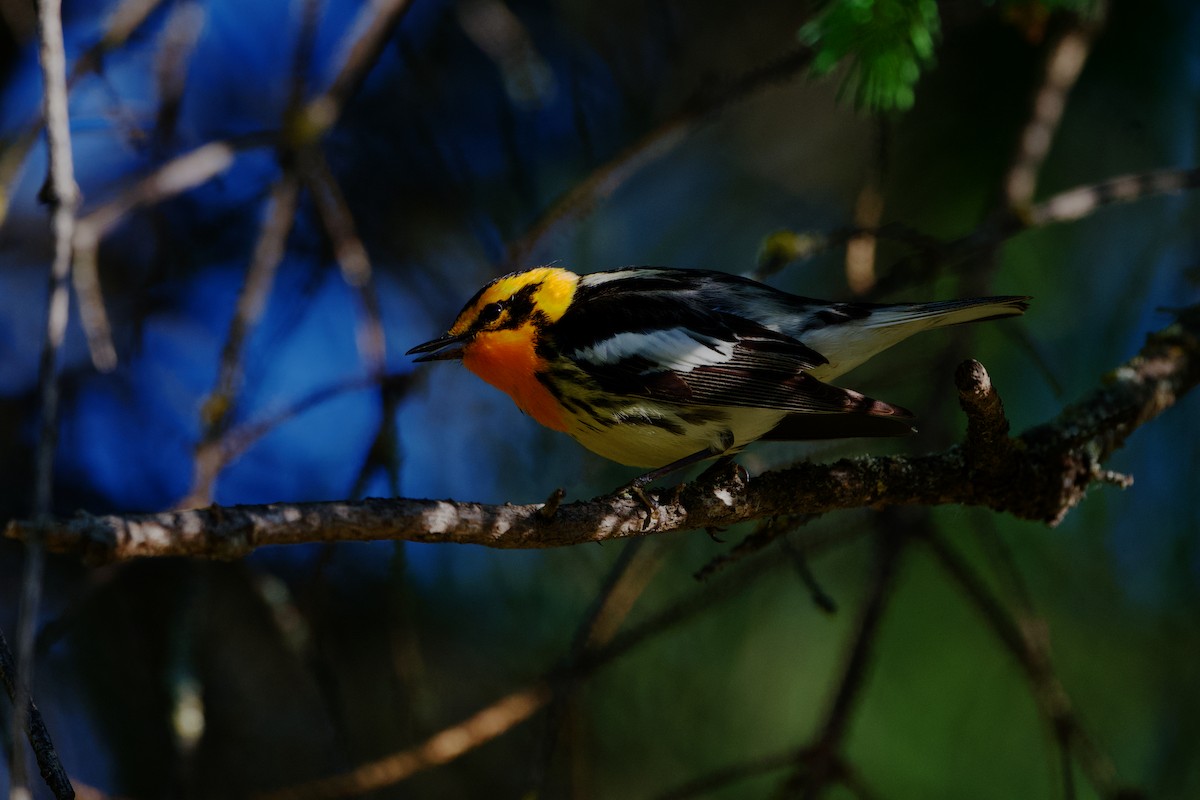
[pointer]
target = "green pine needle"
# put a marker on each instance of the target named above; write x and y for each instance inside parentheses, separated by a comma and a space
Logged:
(887, 41)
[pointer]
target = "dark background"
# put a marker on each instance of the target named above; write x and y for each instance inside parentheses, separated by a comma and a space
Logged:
(305, 661)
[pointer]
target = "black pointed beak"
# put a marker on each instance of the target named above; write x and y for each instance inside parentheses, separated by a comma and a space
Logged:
(447, 348)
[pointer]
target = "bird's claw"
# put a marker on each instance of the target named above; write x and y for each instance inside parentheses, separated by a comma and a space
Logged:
(651, 506)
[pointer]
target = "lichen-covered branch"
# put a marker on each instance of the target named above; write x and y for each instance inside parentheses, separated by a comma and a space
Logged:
(1039, 475)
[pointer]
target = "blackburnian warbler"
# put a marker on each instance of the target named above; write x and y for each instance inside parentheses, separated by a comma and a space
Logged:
(666, 367)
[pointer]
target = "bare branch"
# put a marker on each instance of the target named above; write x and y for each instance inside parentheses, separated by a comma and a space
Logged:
(1041, 475)
(610, 176)
(260, 276)
(351, 255)
(1028, 646)
(616, 598)
(443, 747)
(930, 256)
(62, 195)
(626, 581)
(519, 705)
(125, 19)
(180, 35)
(1075, 204)
(1064, 63)
(362, 46)
(822, 766)
(39, 737)
(705, 785)
(764, 534)
(176, 176)
(868, 212)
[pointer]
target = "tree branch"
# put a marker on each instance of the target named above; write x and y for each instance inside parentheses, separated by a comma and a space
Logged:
(1064, 63)
(61, 194)
(1039, 475)
(1029, 646)
(604, 181)
(35, 729)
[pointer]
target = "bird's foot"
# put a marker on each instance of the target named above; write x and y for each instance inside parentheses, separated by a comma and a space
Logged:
(650, 504)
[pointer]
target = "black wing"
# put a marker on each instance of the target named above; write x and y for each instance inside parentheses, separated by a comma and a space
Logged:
(652, 337)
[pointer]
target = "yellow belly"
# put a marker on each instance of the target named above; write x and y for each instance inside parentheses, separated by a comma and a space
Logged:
(646, 434)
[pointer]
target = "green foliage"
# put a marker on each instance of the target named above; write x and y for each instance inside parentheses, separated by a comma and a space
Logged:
(888, 42)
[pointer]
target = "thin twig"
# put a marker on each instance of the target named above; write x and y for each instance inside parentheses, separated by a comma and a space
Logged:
(351, 255)
(821, 598)
(600, 185)
(62, 196)
(762, 536)
(125, 19)
(515, 707)
(362, 45)
(237, 440)
(176, 45)
(1064, 62)
(39, 737)
(706, 785)
(122, 23)
(868, 211)
(176, 176)
(445, 746)
(822, 764)
(931, 256)
(1031, 654)
(627, 579)
(302, 57)
(1075, 204)
(218, 409)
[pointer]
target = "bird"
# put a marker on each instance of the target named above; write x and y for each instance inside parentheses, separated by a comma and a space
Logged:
(661, 368)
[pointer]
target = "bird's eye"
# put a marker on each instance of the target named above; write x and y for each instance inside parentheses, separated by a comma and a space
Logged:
(490, 313)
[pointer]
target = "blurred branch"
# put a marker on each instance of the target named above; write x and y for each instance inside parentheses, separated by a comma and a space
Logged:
(705, 785)
(1039, 475)
(176, 176)
(627, 580)
(351, 256)
(1064, 63)
(930, 254)
(861, 251)
(763, 535)
(126, 18)
(1028, 645)
(35, 729)
(362, 46)
(616, 597)
(120, 25)
(386, 450)
(237, 440)
(600, 185)
(260, 276)
(519, 705)
(61, 194)
(180, 35)
(824, 762)
(1075, 204)
(443, 747)
(302, 166)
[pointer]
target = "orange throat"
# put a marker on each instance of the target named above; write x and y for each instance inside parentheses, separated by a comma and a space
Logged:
(507, 360)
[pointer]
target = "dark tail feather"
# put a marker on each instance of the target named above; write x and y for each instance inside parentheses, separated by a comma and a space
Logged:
(883, 419)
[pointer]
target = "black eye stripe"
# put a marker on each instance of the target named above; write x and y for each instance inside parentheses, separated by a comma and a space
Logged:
(519, 307)
(491, 312)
